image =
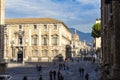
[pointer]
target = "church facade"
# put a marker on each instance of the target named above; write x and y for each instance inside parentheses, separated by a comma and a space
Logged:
(35, 39)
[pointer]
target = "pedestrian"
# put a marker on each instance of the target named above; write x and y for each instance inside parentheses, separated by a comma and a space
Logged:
(87, 76)
(50, 74)
(82, 70)
(25, 78)
(67, 67)
(37, 66)
(61, 77)
(54, 75)
(40, 78)
(40, 68)
(58, 75)
(93, 60)
(64, 65)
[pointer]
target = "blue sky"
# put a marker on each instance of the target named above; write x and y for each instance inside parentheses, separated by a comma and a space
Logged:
(79, 14)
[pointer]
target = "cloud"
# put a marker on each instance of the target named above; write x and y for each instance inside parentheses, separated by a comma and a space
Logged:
(71, 12)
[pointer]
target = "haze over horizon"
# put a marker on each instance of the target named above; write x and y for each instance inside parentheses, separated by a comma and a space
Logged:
(79, 14)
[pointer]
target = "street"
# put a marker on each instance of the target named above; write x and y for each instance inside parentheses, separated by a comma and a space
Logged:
(18, 70)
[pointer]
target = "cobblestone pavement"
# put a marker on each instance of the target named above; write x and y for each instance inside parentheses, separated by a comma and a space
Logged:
(18, 70)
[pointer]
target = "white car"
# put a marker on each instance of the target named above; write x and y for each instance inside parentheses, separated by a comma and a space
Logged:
(5, 77)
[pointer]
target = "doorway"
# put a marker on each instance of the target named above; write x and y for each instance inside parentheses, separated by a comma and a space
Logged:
(20, 56)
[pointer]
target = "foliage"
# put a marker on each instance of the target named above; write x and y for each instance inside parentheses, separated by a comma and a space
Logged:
(96, 30)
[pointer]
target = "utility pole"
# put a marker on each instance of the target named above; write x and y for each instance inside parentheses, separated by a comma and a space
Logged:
(2, 25)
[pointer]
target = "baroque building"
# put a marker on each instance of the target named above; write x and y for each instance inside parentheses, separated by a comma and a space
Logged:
(35, 39)
(110, 21)
(78, 48)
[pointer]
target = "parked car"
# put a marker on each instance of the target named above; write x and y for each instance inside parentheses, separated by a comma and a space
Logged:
(5, 77)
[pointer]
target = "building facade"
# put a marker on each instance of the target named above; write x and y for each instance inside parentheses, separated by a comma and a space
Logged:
(35, 39)
(78, 47)
(110, 21)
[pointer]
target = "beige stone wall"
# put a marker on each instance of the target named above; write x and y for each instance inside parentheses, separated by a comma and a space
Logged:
(36, 52)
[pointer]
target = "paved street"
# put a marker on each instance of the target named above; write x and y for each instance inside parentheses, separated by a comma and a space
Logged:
(17, 70)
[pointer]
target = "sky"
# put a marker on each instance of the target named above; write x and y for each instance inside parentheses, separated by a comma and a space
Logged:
(78, 14)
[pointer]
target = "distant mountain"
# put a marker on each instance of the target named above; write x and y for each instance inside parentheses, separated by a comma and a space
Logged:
(82, 35)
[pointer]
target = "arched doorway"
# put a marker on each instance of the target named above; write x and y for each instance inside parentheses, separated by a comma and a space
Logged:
(20, 56)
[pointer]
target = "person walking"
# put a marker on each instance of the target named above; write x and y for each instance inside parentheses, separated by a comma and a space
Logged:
(40, 68)
(82, 70)
(25, 78)
(54, 75)
(50, 74)
(58, 75)
(87, 76)
(40, 78)
(61, 77)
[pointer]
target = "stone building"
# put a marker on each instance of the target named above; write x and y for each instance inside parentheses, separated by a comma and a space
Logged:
(78, 47)
(110, 21)
(35, 39)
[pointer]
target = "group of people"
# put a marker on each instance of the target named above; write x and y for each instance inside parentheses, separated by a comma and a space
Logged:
(63, 66)
(81, 71)
(55, 75)
(39, 67)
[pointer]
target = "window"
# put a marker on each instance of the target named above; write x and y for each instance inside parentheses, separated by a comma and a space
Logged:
(45, 53)
(45, 40)
(34, 39)
(73, 46)
(45, 26)
(55, 27)
(20, 40)
(55, 40)
(35, 26)
(20, 26)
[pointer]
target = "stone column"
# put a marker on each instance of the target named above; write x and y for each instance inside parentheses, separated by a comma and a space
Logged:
(2, 63)
(116, 55)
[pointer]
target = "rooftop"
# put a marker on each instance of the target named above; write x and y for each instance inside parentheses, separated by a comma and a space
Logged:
(31, 20)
